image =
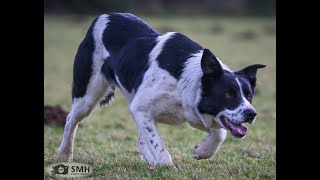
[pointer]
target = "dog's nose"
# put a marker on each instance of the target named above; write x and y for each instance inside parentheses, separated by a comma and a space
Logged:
(249, 114)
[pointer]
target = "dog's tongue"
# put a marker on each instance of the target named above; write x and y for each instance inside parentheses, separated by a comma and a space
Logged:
(239, 128)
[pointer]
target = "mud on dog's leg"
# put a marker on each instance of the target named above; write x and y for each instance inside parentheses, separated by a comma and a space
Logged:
(149, 142)
(210, 144)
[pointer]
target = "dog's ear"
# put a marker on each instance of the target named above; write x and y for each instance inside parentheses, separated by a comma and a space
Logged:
(250, 73)
(210, 65)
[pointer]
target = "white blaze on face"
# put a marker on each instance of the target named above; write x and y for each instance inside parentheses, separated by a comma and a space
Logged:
(245, 102)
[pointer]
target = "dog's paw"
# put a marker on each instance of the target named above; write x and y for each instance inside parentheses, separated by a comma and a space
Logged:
(171, 165)
(201, 151)
(64, 156)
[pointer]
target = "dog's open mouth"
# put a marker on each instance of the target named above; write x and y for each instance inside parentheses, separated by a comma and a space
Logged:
(237, 130)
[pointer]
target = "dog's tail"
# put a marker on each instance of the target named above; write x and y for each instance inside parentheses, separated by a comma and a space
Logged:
(108, 99)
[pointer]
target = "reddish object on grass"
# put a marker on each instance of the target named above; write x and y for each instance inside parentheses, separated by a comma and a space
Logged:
(55, 114)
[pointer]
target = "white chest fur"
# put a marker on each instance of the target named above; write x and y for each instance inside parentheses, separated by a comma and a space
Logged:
(158, 92)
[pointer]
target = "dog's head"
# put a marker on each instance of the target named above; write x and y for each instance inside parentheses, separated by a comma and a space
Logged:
(226, 96)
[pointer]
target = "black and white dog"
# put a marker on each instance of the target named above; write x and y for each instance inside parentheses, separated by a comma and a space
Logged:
(165, 78)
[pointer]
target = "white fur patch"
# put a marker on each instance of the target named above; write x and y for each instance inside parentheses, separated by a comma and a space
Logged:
(161, 40)
(189, 86)
(147, 107)
(100, 52)
(158, 90)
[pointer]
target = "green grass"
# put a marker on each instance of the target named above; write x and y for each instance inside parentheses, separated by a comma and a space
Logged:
(107, 138)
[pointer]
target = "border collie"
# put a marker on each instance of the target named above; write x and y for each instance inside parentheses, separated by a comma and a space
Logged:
(165, 78)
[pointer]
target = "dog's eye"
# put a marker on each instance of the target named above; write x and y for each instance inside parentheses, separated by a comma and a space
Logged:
(228, 95)
(249, 97)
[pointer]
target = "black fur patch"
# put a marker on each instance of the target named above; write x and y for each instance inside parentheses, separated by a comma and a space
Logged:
(132, 62)
(129, 41)
(175, 52)
(82, 67)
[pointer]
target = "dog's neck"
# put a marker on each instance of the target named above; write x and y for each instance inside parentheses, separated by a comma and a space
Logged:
(189, 87)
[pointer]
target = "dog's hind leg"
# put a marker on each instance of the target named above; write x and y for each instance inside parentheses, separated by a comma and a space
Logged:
(81, 108)
(150, 144)
(91, 82)
(97, 88)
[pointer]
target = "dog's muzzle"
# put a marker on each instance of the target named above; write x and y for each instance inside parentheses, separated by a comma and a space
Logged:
(249, 115)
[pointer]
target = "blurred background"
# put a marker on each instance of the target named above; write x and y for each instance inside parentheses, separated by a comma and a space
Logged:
(239, 32)
(213, 7)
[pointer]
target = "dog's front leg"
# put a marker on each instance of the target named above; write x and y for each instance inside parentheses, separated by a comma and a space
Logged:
(149, 142)
(210, 144)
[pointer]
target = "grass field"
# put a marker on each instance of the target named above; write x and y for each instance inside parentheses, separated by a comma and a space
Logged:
(107, 138)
